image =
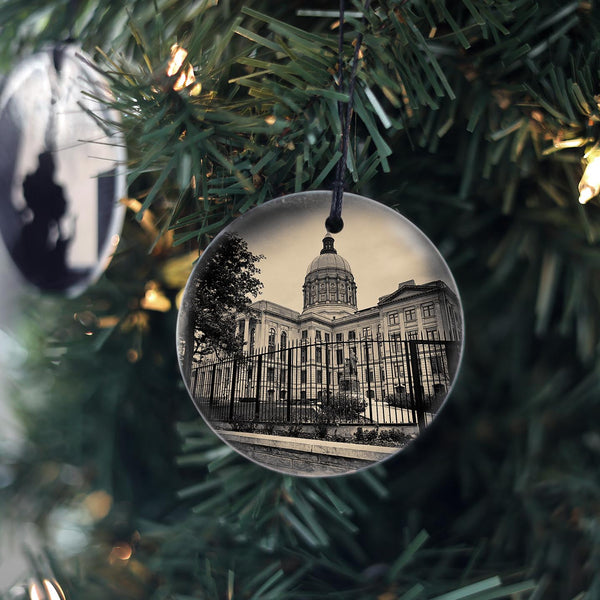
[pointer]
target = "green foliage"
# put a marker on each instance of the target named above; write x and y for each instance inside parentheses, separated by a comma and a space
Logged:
(223, 288)
(339, 408)
(481, 112)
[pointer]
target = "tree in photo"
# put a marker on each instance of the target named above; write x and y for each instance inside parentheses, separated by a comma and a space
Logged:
(225, 289)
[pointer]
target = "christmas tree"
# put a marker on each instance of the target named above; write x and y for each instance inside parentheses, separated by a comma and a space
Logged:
(478, 121)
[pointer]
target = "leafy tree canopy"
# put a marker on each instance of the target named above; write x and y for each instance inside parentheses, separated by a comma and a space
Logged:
(225, 288)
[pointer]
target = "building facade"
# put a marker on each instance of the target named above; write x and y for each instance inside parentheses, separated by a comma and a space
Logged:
(398, 357)
(429, 311)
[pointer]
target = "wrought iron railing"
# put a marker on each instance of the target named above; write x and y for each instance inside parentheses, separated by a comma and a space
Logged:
(369, 381)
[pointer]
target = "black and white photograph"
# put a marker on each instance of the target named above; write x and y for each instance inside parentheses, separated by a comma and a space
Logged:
(320, 354)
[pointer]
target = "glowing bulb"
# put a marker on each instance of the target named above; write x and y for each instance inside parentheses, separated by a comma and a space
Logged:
(154, 299)
(53, 590)
(34, 592)
(178, 55)
(186, 77)
(589, 186)
(122, 551)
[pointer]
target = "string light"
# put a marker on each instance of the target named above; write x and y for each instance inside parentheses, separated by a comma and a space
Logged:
(154, 299)
(51, 591)
(589, 186)
(121, 552)
(186, 76)
(34, 592)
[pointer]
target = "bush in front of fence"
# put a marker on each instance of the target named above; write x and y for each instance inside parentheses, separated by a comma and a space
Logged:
(338, 409)
(399, 400)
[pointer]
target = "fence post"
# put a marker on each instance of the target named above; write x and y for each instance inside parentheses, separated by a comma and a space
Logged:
(289, 384)
(194, 383)
(452, 354)
(416, 384)
(369, 393)
(232, 395)
(327, 374)
(211, 396)
(258, 378)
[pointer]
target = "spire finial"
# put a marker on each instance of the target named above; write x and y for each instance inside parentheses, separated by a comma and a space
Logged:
(328, 245)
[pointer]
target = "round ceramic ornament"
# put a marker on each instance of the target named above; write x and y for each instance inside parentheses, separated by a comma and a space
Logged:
(314, 354)
(62, 165)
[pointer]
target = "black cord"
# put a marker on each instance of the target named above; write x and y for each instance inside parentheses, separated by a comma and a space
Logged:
(334, 222)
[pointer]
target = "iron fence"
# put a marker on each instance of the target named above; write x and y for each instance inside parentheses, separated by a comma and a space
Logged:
(355, 382)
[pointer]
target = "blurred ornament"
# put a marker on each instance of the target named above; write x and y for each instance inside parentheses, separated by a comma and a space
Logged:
(62, 170)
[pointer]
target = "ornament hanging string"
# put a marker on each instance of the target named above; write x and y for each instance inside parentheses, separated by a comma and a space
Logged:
(334, 222)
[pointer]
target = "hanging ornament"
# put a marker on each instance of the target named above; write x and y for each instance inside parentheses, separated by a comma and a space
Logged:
(62, 170)
(315, 355)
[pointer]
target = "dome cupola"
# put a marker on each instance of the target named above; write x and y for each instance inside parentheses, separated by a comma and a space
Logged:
(329, 288)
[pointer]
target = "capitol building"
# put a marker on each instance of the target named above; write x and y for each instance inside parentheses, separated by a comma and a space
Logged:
(392, 363)
(427, 311)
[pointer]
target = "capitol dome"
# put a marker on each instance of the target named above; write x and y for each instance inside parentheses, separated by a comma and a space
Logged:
(329, 288)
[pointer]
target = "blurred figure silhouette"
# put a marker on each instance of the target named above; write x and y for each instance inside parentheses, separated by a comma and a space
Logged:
(41, 250)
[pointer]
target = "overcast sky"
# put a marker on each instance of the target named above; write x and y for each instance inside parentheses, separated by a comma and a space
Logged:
(382, 247)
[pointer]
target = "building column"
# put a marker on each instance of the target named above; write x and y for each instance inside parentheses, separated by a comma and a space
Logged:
(246, 337)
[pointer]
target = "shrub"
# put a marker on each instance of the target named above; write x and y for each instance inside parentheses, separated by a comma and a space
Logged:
(240, 424)
(269, 428)
(294, 430)
(371, 436)
(395, 436)
(341, 408)
(399, 400)
(359, 435)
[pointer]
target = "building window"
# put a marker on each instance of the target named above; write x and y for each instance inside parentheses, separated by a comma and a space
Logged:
(339, 337)
(318, 335)
(396, 342)
(270, 374)
(303, 395)
(304, 334)
(319, 376)
(412, 335)
(410, 314)
(303, 354)
(351, 335)
(327, 337)
(271, 342)
(433, 334)
(318, 354)
(398, 370)
(437, 365)
(382, 373)
(283, 376)
(393, 318)
(303, 376)
(252, 338)
(241, 327)
(339, 353)
(367, 334)
(283, 340)
(428, 310)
